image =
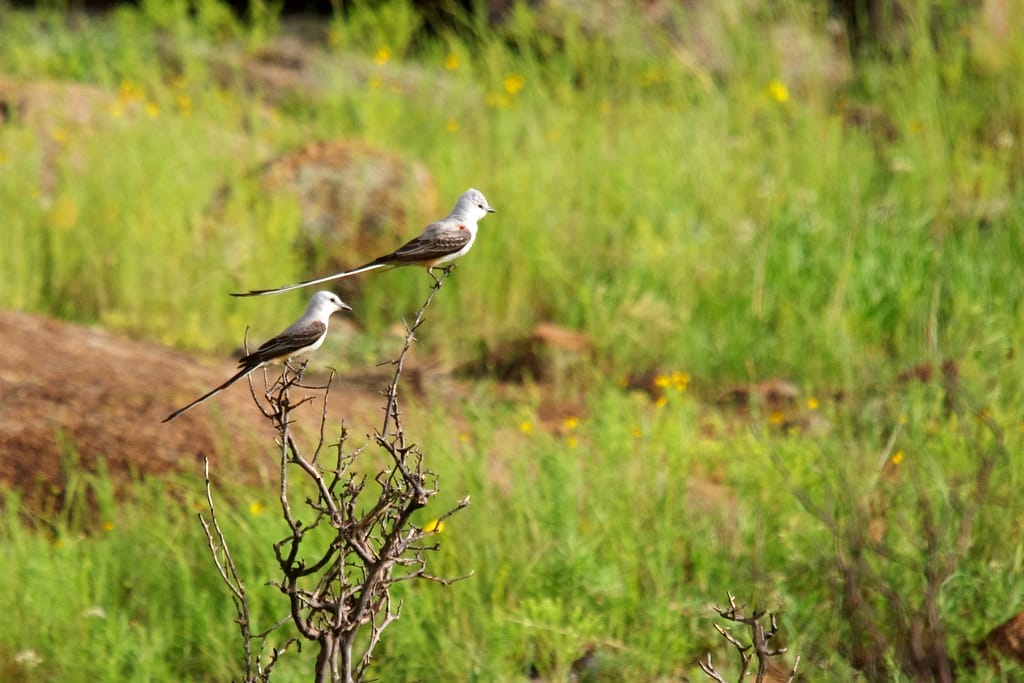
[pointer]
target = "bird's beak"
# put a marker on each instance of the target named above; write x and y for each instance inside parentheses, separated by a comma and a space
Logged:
(490, 210)
(345, 306)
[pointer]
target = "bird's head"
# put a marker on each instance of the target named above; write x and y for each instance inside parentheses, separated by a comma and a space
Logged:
(327, 303)
(472, 204)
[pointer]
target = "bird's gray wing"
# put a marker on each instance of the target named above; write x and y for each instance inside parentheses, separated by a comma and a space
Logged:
(437, 240)
(297, 337)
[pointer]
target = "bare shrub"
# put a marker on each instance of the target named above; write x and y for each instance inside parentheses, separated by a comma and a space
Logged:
(338, 584)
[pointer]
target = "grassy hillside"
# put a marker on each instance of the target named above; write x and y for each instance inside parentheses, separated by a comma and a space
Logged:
(679, 192)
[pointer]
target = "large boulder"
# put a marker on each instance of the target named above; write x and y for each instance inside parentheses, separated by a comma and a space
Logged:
(74, 396)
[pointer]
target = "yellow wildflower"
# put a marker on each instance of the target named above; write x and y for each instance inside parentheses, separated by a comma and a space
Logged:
(680, 380)
(776, 417)
(108, 526)
(897, 457)
(514, 83)
(382, 55)
(572, 442)
(128, 91)
(451, 62)
(778, 91)
(526, 426)
(812, 403)
(184, 103)
(256, 508)
(152, 110)
(662, 381)
(661, 402)
(570, 423)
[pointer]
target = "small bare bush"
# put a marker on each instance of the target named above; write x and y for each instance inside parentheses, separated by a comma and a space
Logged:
(759, 648)
(338, 584)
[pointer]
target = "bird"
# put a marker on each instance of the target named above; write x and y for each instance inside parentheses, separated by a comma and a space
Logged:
(303, 336)
(439, 244)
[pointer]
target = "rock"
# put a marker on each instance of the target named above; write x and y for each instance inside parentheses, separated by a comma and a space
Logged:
(1005, 641)
(45, 105)
(549, 351)
(74, 395)
(356, 201)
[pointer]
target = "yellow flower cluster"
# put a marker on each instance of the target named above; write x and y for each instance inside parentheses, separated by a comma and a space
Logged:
(512, 85)
(569, 426)
(130, 96)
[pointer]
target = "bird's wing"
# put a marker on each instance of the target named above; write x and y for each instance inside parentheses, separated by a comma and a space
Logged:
(437, 240)
(295, 338)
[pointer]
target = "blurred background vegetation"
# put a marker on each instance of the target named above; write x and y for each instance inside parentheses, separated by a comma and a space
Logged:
(789, 235)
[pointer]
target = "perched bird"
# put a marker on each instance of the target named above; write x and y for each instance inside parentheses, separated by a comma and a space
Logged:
(303, 336)
(439, 244)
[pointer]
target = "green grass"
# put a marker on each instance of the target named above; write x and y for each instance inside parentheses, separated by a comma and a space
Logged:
(679, 221)
(618, 534)
(679, 216)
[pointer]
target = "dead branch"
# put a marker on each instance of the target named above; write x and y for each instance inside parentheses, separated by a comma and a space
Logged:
(338, 588)
(758, 648)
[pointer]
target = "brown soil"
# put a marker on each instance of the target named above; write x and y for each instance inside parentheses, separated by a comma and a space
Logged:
(73, 396)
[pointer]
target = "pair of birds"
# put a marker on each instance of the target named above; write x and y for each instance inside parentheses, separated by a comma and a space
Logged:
(439, 244)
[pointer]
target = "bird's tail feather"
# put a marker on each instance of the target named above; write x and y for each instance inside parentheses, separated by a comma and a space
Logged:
(237, 376)
(316, 281)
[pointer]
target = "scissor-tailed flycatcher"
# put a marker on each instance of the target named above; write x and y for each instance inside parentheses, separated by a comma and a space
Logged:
(440, 243)
(301, 337)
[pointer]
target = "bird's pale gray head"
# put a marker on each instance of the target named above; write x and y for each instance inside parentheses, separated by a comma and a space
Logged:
(472, 204)
(328, 302)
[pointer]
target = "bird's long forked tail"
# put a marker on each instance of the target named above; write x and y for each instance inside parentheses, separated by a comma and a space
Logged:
(213, 392)
(316, 281)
